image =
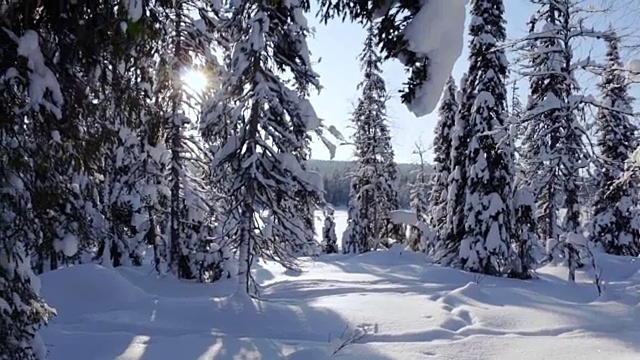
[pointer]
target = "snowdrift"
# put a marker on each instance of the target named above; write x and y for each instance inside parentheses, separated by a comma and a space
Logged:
(388, 304)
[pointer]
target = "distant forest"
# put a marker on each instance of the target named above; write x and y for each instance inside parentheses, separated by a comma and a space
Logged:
(336, 180)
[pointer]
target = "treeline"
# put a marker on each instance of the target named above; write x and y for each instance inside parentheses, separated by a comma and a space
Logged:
(337, 178)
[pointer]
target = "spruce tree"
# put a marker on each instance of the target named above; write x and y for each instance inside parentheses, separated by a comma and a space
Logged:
(270, 39)
(448, 245)
(373, 187)
(188, 40)
(615, 219)
(29, 90)
(419, 203)
(437, 213)
(553, 139)
(489, 165)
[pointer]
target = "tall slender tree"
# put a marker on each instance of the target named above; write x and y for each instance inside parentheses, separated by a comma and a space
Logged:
(374, 179)
(270, 38)
(615, 219)
(437, 213)
(553, 139)
(419, 202)
(451, 235)
(489, 165)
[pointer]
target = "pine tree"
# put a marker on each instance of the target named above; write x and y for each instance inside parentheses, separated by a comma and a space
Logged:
(270, 38)
(373, 187)
(420, 206)
(489, 166)
(554, 149)
(442, 159)
(615, 208)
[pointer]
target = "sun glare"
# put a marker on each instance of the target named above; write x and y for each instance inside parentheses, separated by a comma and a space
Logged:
(195, 80)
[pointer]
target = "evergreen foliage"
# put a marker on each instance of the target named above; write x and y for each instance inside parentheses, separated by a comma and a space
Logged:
(373, 184)
(489, 165)
(615, 219)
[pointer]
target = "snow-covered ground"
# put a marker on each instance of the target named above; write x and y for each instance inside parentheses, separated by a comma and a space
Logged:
(404, 307)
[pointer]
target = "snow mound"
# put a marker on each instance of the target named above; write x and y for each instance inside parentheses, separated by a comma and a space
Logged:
(88, 288)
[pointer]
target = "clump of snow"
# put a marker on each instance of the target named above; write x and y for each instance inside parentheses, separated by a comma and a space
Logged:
(436, 31)
(68, 245)
(633, 70)
(41, 79)
(135, 10)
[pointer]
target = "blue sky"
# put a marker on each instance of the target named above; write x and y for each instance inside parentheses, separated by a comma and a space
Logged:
(338, 45)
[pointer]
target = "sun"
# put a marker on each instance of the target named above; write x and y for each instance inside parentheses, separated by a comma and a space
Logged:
(195, 81)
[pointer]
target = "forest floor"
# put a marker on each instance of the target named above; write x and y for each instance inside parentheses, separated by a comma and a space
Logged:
(384, 305)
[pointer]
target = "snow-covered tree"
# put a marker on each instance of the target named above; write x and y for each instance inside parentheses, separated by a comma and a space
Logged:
(437, 213)
(615, 219)
(448, 245)
(269, 38)
(524, 238)
(489, 165)
(375, 177)
(187, 43)
(419, 203)
(29, 90)
(553, 139)
(329, 239)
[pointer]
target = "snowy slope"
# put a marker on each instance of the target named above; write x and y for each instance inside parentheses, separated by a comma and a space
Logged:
(408, 308)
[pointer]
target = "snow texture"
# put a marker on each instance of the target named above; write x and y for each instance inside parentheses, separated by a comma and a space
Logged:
(129, 314)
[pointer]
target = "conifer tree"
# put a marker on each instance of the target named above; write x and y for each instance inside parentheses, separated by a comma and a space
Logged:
(448, 245)
(437, 213)
(554, 149)
(419, 205)
(373, 184)
(489, 164)
(188, 41)
(615, 220)
(270, 38)
(28, 90)
(329, 239)
(524, 233)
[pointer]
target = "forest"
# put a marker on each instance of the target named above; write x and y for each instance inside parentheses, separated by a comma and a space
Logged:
(336, 180)
(171, 139)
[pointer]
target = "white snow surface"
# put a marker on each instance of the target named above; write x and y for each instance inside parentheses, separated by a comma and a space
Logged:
(437, 31)
(406, 307)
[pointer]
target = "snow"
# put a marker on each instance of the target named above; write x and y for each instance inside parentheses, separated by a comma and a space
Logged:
(437, 31)
(41, 78)
(68, 245)
(135, 10)
(406, 307)
(633, 70)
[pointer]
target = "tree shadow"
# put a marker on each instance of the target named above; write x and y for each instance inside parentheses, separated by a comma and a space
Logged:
(159, 328)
